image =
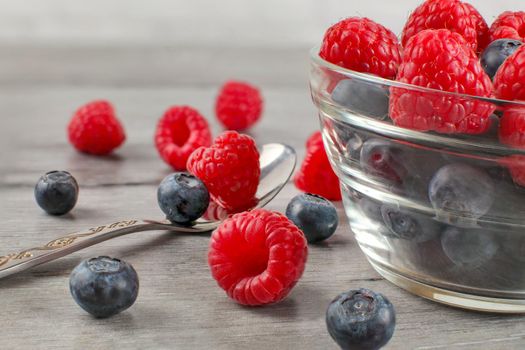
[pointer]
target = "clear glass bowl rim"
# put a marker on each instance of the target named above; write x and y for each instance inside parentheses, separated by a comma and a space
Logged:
(369, 78)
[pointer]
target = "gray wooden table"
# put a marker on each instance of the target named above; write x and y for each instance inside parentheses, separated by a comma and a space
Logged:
(179, 305)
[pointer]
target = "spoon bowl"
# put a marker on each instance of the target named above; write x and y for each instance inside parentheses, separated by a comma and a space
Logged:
(277, 163)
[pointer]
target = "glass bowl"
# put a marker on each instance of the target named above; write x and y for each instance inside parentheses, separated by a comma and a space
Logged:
(435, 199)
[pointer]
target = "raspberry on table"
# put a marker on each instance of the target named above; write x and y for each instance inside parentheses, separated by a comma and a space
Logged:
(180, 131)
(95, 129)
(257, 256)
(239, 105)
(362, 45)
(316, 174)
(508, 25)
(229, 169)
(453, 15)
(441, 60)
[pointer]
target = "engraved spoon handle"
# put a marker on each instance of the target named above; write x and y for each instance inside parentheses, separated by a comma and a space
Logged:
(57, 248)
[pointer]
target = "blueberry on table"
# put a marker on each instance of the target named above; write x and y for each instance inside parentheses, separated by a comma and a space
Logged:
(314, 215)
(361, 97)
(468, 247)
(56, 192)
(104, 286)
(496, 53)
(404, 223)
(182, 197)
(361, 319)
(461, 193)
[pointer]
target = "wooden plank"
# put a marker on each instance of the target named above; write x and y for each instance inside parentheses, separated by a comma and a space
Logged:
(179, 305)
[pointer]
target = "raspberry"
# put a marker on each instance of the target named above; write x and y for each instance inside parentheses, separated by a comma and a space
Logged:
(362, 45)
(508, 81)
(512, 128)
(315, 140)
(316, 175)
(229, 169)
(239, 105)
(508, 25)
(257, 257)
(441, 60)
(508, 85)
(95, 129)
(481, 27)
(516, 166)
(180, 131)
(444, 14)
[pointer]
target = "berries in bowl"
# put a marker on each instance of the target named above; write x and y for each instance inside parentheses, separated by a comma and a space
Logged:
(435, 184)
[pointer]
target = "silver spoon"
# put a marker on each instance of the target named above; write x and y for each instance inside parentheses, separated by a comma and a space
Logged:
(277, 164)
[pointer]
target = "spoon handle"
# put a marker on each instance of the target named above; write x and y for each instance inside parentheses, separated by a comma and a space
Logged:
(57, 248)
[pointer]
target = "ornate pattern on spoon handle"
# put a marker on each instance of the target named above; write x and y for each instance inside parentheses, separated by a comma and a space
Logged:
(16, 262)
(63, 241)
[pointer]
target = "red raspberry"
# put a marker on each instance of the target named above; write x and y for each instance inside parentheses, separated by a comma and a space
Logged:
(443, 14)
(95, 129)
(257, 256)
(516, 166)
(239, 105)
(316, 175)
(315, 140)
(441, 60)
(508, 25)
(362, 45)
(229, 169)
(508, 85)
(180, 131)
(508, 81)
(512, 128)
(481, 27)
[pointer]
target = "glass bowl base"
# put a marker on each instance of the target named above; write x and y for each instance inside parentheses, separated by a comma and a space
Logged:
(451, 298)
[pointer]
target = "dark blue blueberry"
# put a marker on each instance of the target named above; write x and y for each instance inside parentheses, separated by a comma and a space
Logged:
(461, 194)
(104, 286)
(361, 319)
(469, 248)
(182, 197)
(407, 224)
(384, 159)
(361, 97)
(314, 215)
(496, 53)
(56, 192)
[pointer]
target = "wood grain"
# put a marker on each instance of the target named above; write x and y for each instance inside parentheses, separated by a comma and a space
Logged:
(179, 304)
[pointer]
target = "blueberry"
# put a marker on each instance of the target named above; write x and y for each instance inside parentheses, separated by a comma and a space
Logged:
(384, 159)
(104, 286)
(496, 53)
(468, 247)
(361, 319)
(407, 224)
(314, 215)
(361, 97)
(56, 192)
(461, 194)
(182, 197)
